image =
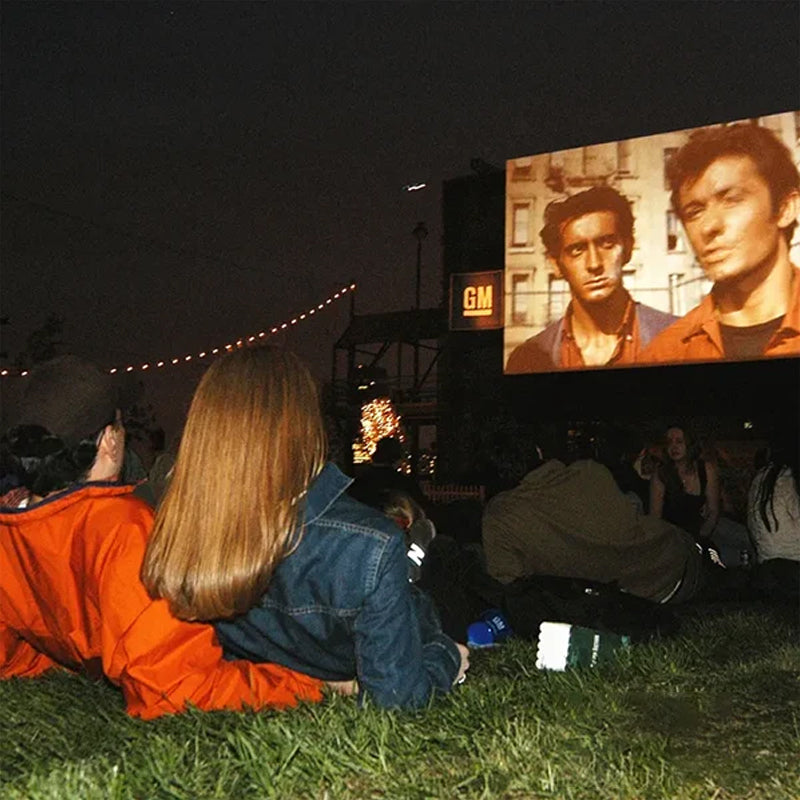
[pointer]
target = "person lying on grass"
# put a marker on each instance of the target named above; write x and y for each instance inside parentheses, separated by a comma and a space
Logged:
(256, 532)
(72, 541)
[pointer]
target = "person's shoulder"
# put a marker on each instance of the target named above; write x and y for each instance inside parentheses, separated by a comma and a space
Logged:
(120, 505)
(348, 515)
(591, 470)
(652, 320)
(533, 355)
(669, 344)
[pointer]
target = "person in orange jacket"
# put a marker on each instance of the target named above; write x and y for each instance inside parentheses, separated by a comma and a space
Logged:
(72, 543)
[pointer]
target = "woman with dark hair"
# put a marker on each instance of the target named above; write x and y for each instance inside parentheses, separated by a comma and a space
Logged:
(256, 532)
(773, 519)
(684, 490)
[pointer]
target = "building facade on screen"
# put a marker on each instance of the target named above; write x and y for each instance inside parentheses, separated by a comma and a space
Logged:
(662, 272)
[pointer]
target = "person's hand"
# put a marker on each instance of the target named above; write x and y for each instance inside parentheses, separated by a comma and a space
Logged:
(462, 670)
(347, 688)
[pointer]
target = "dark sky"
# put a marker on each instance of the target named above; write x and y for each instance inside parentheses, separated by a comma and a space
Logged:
(177, 175)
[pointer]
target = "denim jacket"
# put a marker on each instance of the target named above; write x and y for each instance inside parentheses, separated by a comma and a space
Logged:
(341, 606)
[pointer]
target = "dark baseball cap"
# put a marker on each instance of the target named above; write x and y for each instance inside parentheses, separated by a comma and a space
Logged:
(70, 397)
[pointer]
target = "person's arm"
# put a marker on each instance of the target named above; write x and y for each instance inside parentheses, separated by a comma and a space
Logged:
(163, 664)
(396, 667)
(656, 496)
(18, 659)
(711, 510)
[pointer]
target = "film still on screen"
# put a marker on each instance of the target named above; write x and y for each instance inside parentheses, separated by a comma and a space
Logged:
(679, 247)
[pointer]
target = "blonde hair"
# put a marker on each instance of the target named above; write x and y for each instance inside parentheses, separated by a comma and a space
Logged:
(254, 440)
(401, 506)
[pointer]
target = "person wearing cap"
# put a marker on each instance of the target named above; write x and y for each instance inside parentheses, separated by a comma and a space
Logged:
(72, 543)
(383, 475)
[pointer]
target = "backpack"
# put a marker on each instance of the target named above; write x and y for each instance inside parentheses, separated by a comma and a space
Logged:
(527, 602)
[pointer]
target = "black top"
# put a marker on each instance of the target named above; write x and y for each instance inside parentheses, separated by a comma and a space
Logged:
(683, 509)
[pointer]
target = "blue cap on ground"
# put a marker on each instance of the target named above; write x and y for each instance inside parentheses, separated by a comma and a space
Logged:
(479, 634)
(498, 623)
(490, 629)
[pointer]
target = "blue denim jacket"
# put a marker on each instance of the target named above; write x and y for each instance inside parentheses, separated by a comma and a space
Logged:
(341, 606)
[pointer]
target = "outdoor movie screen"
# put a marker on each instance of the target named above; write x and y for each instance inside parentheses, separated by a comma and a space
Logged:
(666, 249)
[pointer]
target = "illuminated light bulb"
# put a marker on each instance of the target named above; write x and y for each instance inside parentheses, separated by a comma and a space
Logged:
(175, 360)
(4, 372)
(215, 351)
(129, 369)
(229, 347)
(187, 358)
(284, 326)
(294, 321)
(239, 343)
(312, 311)
(262, 334)
(251, 338)
(202, 355)
(302, 316)
(24, 373)
(112, 371)
(321, 305)
(328, 302)
(160, 364)
(145, 366)
(336, 296)
(352, 286)
(274, 330)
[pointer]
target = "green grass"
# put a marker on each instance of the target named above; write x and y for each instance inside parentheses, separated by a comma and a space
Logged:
(713, 713)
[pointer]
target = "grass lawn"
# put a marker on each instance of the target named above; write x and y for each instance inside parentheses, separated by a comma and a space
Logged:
(712, 713)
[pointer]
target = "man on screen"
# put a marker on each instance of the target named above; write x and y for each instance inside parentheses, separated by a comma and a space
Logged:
(737, 193)
(588, 239)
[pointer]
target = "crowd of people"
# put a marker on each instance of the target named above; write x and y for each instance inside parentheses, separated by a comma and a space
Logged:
(261, 580)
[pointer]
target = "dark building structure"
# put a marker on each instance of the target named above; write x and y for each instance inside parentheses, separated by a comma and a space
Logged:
(488, 415)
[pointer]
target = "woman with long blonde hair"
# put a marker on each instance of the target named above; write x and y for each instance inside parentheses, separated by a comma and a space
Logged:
(256, 533)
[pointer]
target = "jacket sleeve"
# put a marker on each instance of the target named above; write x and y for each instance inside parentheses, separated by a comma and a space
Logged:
(397, 666)
(164, 664)
(19, 659)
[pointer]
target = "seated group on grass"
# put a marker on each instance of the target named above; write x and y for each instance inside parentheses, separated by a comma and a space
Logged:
(255, 534)
(261, 582)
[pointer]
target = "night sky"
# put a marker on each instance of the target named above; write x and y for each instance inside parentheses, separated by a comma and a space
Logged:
(177, 175)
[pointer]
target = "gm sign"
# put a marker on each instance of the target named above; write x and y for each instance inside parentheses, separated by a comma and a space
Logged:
(476, 300)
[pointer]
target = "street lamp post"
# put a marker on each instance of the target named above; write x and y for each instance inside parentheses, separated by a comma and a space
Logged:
(420, 232)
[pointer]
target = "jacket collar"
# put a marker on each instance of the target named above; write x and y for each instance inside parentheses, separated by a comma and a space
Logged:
(705, 320)
(56, 502)
(327, 487)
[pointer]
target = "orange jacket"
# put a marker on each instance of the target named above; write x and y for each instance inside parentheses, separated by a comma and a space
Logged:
(70, 595)
(697, 337)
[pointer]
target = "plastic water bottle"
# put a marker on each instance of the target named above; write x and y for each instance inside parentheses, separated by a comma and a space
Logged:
(491, 629)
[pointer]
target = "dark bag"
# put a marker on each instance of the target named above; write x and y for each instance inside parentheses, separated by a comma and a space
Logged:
(527, 602)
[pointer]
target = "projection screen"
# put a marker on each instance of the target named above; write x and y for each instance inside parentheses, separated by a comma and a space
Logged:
(591, 285)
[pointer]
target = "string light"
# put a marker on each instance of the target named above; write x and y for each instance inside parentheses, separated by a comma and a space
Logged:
(378, 419)
(241, 342)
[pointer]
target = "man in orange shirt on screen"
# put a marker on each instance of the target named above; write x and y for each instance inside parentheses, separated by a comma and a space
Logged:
(589, 239)
(737, 193)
